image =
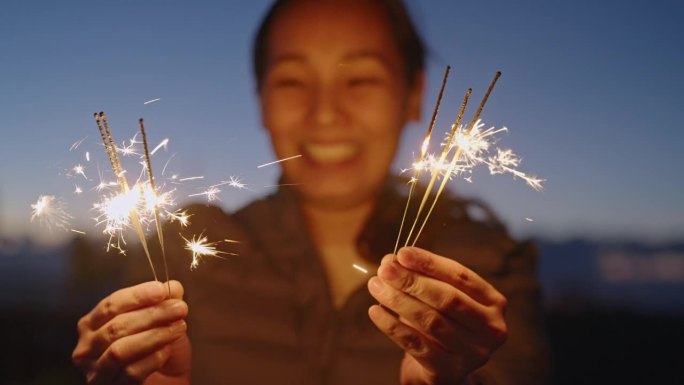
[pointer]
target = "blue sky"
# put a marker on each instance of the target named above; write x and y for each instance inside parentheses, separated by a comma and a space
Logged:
(591, 93)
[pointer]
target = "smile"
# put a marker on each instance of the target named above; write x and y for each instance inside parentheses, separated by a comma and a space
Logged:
(331, 153)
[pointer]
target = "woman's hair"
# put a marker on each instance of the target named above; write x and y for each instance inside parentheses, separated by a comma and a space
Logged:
(408, 40)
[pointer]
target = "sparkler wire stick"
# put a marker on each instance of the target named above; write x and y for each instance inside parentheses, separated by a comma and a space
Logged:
(157, 222)
(423, 151)
(457, 153)
(442, 157)
(118, 170)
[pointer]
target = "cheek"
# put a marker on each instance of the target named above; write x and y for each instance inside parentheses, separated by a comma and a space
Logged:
(282, 112)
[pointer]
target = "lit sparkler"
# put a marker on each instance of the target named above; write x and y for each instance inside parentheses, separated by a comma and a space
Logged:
(136, 205)
(468, 146)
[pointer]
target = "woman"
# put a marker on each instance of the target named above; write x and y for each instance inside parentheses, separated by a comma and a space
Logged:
(337, 81)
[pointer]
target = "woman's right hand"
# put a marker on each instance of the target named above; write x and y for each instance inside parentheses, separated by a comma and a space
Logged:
(136, 335)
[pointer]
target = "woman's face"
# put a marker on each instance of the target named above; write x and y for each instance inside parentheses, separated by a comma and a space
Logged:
(335, 92)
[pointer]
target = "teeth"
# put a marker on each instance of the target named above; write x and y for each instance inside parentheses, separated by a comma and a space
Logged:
(331, 153)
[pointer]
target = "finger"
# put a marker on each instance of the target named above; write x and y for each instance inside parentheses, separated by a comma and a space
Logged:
(449, 271)
(445, 299)
(449, 334)
(128, 350)
(137, 321)
(143, 368)
(431, 356)
(131, 298)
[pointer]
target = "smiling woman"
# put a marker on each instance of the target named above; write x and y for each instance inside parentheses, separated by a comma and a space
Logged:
(337, 82)
(341, 106)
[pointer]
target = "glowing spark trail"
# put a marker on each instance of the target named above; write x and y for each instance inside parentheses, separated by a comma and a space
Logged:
(211, 193)
(50, 211)
(163, 144)
(279, 161)
(200, 248)
(152, 101)
(76, 144)
(190, 178)
(359, 268)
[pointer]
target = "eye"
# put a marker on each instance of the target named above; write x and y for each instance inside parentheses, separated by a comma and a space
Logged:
(363, 81)
(288, 83)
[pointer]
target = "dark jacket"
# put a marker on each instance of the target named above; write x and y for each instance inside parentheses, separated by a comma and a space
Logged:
(265, 316)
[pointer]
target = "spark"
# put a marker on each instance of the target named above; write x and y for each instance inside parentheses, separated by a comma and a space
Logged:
(78, 231)
(152, 101)
(76, 144)
(200, 248)
(163, 143)
(50, 211)
(529, 219)
(232, 182)
(211, 193)
(181, 216)
(359, 268)
(77, 190)
(279, 160)
(130, 149)
(189, 178)
(87, 156)
(79, 170)
(476, 148)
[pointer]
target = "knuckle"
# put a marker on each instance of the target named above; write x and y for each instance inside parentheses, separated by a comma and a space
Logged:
(414, 344)
(108, 307)
(114, 331)
(82, 325)
(463, 276)
(452, 304)
(433, 323)
(116, 353)
(410, 284)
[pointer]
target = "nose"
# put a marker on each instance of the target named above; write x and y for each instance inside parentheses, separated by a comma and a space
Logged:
(326, 106)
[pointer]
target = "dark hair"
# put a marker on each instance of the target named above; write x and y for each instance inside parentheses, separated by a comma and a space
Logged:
(409, 41)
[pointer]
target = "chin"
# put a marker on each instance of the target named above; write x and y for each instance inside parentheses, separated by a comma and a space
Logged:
(335, 196)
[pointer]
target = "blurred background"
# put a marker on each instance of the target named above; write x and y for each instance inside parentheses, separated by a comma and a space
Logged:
(591, 93)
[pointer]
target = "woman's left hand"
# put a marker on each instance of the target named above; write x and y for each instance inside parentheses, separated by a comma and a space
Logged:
(448, 319)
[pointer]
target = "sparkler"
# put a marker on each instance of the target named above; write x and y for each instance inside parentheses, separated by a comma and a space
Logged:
(122, 216)
(423, 151)
(135, 205)
(155, 209)
(469, 146)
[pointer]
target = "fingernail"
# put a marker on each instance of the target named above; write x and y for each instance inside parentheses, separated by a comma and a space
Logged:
(178, 327)
(178, 308)
(375, 286)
